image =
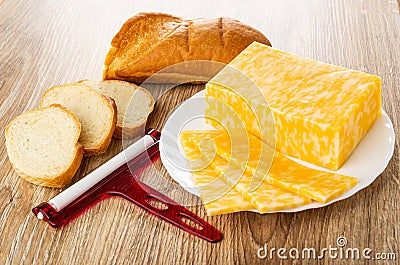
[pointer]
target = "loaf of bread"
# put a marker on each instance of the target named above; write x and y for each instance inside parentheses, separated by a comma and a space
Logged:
(134, 104)
(96, 112)
(42, 145)
(150, 42)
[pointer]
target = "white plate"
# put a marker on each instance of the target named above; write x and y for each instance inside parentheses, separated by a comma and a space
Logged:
(366, 163)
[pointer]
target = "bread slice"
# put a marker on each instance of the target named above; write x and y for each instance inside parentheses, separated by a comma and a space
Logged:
(42, 145)
(134, 105)
(96, 112)
(150, 42)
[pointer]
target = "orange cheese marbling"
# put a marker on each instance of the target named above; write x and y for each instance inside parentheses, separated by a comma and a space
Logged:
(320, 111)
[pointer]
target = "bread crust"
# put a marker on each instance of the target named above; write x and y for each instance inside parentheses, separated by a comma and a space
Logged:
(124, 132)
(65, 177)
(150, 42)
(102, 147)
(132, 132)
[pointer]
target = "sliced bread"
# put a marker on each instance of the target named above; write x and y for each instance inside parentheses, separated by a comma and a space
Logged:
(134, 105)
(96, 112)
(42, 145)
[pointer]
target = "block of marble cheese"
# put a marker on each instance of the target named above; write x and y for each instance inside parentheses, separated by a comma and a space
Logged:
(315, 111)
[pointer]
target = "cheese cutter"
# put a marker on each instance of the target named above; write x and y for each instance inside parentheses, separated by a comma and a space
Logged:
(119, 176)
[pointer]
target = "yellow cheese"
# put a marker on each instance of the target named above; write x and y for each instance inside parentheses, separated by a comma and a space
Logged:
(284, 172)
(266, 197)
(218, 197)
(321, 112)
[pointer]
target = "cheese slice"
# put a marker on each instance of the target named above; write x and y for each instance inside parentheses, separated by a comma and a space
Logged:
(218, 197)
(283, 173)
(266, 197)
(320, 111)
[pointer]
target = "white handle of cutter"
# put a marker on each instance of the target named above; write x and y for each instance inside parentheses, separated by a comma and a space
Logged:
(80, 187)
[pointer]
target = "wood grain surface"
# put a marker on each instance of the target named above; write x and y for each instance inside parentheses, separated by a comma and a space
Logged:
(45, 43)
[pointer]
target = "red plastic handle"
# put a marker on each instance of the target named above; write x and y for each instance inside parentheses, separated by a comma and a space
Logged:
(122, 183)
(170, 211)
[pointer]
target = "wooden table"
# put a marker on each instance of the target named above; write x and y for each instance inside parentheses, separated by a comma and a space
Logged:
(45, 43)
